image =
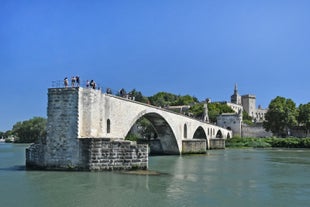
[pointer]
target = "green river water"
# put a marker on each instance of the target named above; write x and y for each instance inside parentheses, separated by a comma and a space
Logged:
(231, 177)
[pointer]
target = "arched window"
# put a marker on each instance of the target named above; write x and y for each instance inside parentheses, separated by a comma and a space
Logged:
(108, 126)
(185, 131)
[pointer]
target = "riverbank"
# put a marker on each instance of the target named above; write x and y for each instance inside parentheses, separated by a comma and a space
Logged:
(239, 142)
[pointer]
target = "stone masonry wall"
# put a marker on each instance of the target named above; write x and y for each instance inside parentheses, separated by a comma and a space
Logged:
(62, 128)
(217, 143)
(106, 154)
(257, 131)
(35, 156)
(194, 146)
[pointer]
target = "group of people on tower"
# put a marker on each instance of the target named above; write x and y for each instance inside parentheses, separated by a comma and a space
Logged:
(75, 81)
(91, 84)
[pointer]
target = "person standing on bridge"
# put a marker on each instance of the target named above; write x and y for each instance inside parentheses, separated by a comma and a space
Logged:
(66, 82)
(77, 78)
(122, 93)
(109, 91)
(72, 81)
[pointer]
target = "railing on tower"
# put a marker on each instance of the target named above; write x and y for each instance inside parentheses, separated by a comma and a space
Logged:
(86, 84)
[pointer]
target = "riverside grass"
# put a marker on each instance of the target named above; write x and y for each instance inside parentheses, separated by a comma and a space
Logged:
(244, 142)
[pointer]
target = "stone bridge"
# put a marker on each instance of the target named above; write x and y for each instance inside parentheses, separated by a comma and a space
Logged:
(86, 130)
(109, 116)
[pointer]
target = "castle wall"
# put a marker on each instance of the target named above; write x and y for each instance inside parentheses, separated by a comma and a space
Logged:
(230, 121)
(299, 132)
(256, 131)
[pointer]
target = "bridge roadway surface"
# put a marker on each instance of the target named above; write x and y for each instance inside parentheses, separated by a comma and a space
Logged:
(110, 116)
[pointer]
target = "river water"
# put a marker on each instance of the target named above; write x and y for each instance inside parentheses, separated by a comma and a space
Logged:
(231, 177)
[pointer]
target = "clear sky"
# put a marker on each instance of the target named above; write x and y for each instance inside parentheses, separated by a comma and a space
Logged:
(196, 47)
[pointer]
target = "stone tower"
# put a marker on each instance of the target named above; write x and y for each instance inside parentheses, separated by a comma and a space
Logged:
(236, 98)
(249, 104)
(76, 140)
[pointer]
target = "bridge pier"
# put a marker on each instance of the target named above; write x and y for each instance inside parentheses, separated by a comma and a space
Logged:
(217, 143)
(194, 146)
(95, 154)
(105, 154)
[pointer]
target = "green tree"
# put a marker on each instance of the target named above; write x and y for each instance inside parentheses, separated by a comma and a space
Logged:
(30, 131)
(304, 116)
(214, 110)
(138, 96)
(184, 100)
(246, 118)
(217, 108)
(196, 110)
(281, 116)
(163, 99)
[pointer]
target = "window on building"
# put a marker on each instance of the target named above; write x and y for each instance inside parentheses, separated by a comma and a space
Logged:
(108, 126)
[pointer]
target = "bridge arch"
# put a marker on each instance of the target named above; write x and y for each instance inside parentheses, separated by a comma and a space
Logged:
(200, 133)
(166, 142)
(219, 134)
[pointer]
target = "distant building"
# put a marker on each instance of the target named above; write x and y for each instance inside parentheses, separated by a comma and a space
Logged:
(236, 98)
(248, 104)
(231, 121)
(234, 122)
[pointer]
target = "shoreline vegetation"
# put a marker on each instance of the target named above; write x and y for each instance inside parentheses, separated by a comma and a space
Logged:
(271, 142)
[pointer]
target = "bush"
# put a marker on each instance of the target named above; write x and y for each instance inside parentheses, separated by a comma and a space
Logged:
(268, 142)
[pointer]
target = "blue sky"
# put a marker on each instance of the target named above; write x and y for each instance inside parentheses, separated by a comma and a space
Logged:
(201, 48)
